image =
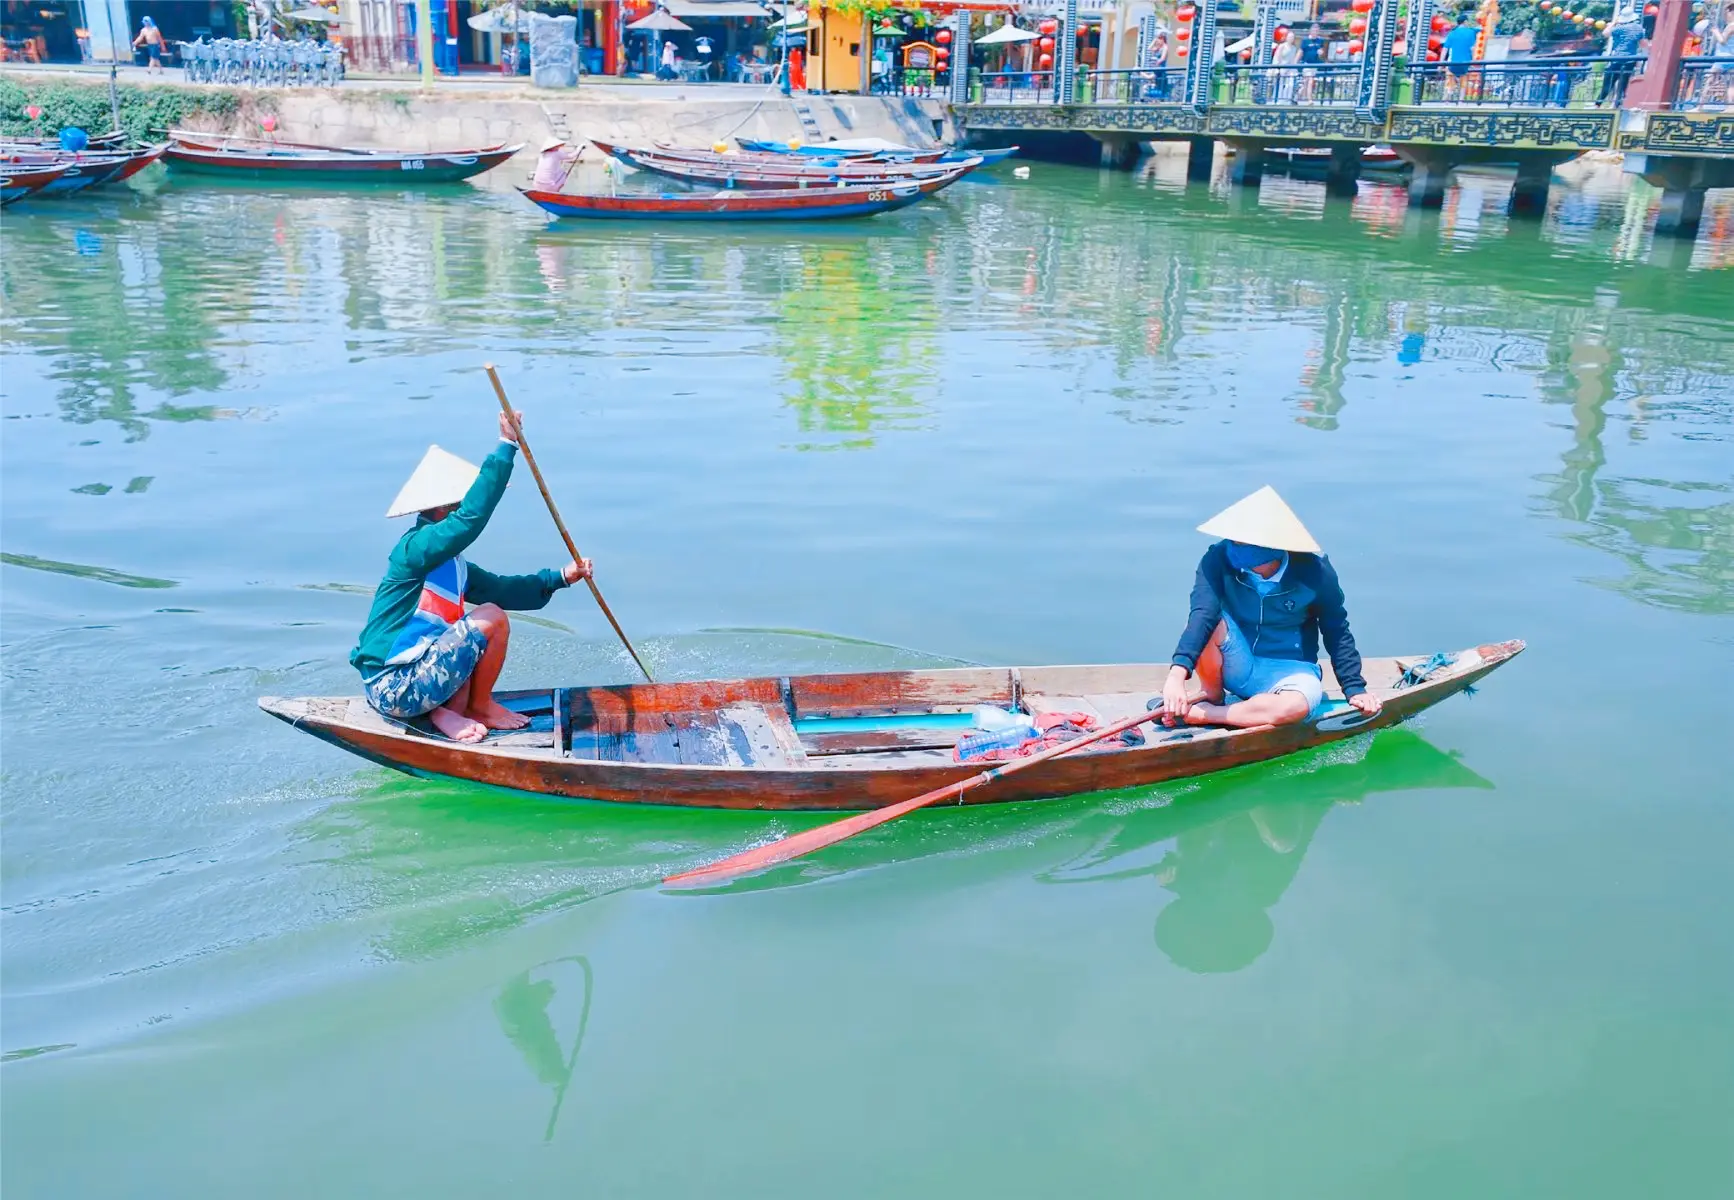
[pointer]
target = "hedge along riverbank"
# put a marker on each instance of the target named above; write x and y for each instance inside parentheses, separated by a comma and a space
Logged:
(142, 109)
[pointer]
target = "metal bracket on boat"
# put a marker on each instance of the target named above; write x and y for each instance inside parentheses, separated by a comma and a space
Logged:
(1017, 689)
(788, 690)
(563, 722)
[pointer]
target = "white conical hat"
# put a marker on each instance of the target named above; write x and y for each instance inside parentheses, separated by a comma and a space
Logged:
(441, 478)
(1262, 519)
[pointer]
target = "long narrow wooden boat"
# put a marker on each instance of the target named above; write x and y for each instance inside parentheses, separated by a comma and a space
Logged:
(1315, 161)
(880, 149)
(856, 741)
(82, 170)
(332, 165)
(97, 142)
(17, 182)
(772, 159)
(731, 171)
(743, 204)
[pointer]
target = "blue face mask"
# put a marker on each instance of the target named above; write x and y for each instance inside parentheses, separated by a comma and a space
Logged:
(1243, 557)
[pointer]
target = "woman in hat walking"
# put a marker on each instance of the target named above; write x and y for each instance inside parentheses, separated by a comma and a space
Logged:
(1263, 599)
(420, 653)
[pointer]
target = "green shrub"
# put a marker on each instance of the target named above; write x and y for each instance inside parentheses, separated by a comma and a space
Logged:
(142, 109)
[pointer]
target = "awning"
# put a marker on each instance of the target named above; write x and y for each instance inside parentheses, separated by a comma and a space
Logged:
(713, 9)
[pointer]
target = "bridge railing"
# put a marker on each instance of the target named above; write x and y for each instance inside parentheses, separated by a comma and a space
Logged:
(1564, 82)
(1164, 86)
(1019, 87)
(1293, 83)
(1705, 83)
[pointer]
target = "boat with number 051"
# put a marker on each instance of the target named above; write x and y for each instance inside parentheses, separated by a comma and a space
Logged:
(332, 164)
(853, 741)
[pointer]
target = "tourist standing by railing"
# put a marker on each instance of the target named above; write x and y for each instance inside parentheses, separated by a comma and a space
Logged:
(1625, 41)
(1156, 62)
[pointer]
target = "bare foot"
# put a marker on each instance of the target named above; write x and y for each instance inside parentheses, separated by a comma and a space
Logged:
(1205, 713)
(457, 726)
(496, 716)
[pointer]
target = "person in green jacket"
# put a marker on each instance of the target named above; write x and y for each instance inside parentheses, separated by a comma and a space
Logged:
(421, 653)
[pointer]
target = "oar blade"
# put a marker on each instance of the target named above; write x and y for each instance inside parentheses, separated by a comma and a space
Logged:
(762, 858)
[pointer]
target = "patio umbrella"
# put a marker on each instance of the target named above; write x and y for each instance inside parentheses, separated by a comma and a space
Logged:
(796, 20)
(312, 14)
(507, 18)
(660, 21)
(1006, 34)
(1245, 43)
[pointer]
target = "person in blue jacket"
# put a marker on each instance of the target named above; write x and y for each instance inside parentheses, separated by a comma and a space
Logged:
(1264, 598)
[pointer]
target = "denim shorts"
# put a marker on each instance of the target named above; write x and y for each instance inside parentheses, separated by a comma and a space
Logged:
(416, 688)
(1245, 674)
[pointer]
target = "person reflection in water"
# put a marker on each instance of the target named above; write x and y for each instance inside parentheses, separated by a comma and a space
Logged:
(1238, 843)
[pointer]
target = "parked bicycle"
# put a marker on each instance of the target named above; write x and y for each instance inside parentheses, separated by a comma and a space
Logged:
(262, 62)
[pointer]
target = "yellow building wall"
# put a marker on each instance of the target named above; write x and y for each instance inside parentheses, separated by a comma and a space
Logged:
(838, 70)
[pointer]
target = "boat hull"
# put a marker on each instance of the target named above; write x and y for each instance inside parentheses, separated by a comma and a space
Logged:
(795, 204)
(735, 744)
(705, 168)
(335, 167)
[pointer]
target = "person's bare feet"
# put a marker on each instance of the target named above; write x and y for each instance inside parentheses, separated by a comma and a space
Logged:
(1205, 713)
(457, 726)
(497, 716)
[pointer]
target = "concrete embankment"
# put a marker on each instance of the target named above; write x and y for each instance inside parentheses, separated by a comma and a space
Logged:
(452, 116)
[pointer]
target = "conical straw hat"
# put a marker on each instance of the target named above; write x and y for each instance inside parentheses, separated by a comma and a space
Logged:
(441, 478)
(1262, 519)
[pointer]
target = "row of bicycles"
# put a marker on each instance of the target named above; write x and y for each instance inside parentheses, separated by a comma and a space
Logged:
(262, 62)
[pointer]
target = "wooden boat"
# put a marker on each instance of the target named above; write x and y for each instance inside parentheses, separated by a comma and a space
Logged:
(737, 204)
(844, 742)
(879, 148)
(328, 164)
(19, 182)
(708, 167)
(81, 171)
(772, 159)
(1315, 161)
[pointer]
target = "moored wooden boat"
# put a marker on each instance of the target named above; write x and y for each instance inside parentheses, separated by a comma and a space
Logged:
(880, 149)
(1315, 161)
(708, 167)
(846, 742)
(17, 182)
(305, 163)
(743, 204)
(82, 170)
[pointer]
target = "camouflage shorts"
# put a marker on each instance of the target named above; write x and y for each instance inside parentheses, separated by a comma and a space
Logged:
(417, 688)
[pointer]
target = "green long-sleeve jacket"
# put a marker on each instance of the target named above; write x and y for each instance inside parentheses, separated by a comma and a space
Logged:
(430, 545)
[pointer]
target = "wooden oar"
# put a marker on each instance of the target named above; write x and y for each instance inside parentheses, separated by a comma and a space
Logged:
(761, 857)
(506, 407)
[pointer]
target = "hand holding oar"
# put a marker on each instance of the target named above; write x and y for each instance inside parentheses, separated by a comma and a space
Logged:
(512, 417)
(761, 857)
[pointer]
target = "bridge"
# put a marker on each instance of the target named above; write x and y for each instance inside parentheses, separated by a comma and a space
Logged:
(1671, 117)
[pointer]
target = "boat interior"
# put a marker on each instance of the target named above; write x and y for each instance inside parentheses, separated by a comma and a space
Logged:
(868, 721)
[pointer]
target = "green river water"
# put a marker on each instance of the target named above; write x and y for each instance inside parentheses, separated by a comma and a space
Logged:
(1486, 954)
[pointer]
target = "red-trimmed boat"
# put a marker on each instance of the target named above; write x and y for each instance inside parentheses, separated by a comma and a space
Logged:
(732, 204)
(17, 182)
(740, 171)
(81, 170)
(855, 741)
(329, 164)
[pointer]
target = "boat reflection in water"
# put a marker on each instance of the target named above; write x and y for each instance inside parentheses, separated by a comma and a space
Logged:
(1238, 841)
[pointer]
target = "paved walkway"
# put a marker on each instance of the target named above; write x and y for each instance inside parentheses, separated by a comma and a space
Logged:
(608, 87)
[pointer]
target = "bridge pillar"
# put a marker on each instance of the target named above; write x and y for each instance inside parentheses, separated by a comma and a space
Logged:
(1248, 169)
(1427, 184)
(1119, 151)
(1654, 89)
(1343, 176)
(1200, 158)
(1529, 193)
(1682, 209)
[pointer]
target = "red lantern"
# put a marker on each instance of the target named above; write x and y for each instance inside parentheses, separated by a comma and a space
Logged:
(1400, 48)
(1434, 45)
(940, 54)
(1180, 52)
(1185, 13)
(1545, 5)
(1356, 46)
(1046, 44)
(1440, 24)
(33, 111)
(1651, 10)
(1045, 61)
(1049, 27)
(1246, 56)
(268, 123)
(943, 37)
(1280, 33)
(1183, 33)
(1361, 6)
(1358, 26)
(1432, 56)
